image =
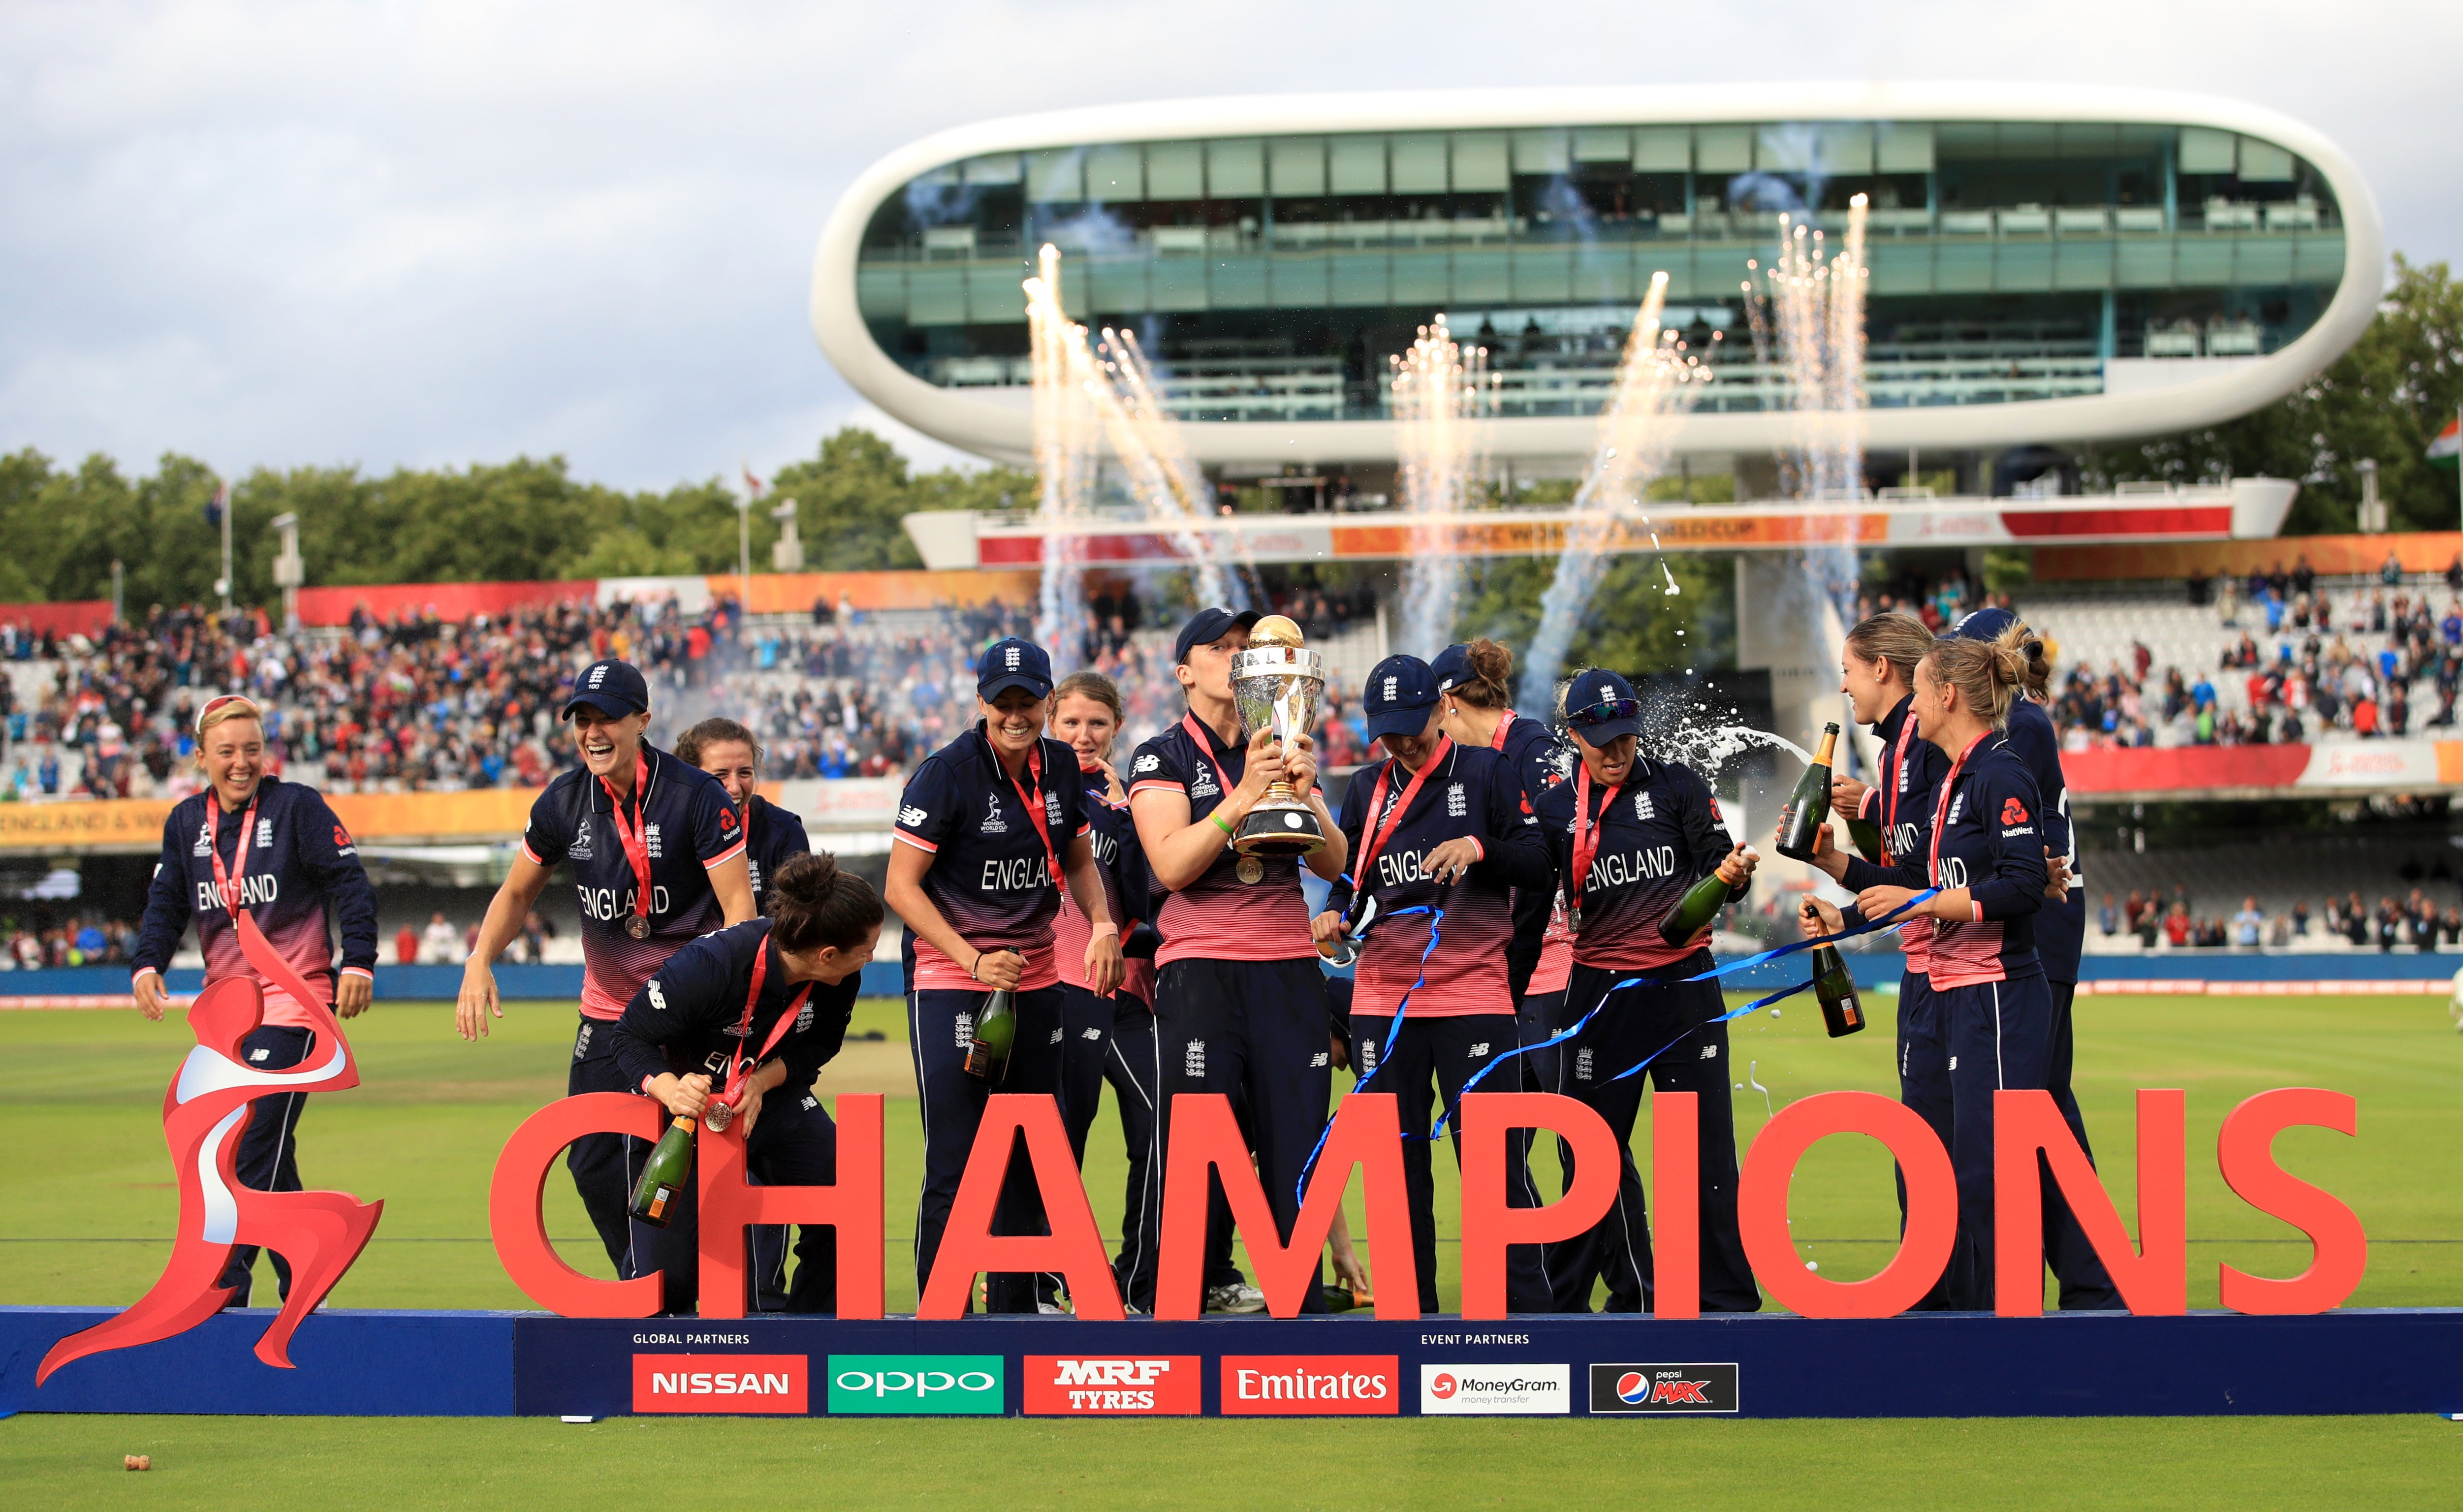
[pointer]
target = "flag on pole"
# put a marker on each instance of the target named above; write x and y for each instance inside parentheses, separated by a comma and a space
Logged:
(2447, 451)
(751, 483)
(215, 506)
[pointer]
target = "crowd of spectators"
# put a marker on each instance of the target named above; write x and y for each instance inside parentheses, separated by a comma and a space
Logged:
(37, 944)
(2159, 921)
(418, 702)
(2383, 662)
(1938, 601)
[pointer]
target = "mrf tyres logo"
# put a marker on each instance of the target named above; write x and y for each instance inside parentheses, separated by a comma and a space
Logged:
(1310, 1385)
(721, 1383)
(918, 1384)
(1663, 1388)
(1081, 1386)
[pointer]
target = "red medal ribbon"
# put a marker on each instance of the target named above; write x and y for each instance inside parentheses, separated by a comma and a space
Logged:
(1034, 801)
(1586, 845)
(1377, 799)
(744, 1026)
(635, 839)
(227, 885)
(1504, 727)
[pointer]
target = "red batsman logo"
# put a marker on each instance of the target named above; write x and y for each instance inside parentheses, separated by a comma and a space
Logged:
(2014, 812)
(204, 1112)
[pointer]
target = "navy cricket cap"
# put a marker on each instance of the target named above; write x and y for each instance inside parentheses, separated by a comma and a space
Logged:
(615, 689)
(1207, 626)
(1012, 663)
(1399, 692)
(1453, 667)
(1601, 705)
(1983, 625)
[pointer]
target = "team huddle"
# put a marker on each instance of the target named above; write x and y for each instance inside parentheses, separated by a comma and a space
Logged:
(1498, 884)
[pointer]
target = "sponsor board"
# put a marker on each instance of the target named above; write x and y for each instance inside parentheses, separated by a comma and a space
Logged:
(1663, 1388)
(1109, 1386)
(1311, 1385)
(918, 1384)
(721, 1383)
(1495, 1388)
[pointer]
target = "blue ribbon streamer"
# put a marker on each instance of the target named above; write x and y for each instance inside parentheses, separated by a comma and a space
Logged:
(1712, 974)
(1393, 1036)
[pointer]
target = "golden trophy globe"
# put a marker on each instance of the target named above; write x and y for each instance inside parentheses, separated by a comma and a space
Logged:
(1277, 684)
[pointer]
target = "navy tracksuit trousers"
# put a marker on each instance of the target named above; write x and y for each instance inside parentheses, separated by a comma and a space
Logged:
(268, 1158)
(1444, 1053)
(602, 1165)
(1638, 1022)
(1255, 1031)
(940, 1026)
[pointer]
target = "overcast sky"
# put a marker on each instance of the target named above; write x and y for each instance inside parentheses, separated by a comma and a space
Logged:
(388, 233)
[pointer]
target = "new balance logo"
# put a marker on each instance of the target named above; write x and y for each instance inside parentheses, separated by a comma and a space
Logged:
(910, 815)
(1710, 1052)
(1322, 1058)
(1091, 1034)
(1479, 1051)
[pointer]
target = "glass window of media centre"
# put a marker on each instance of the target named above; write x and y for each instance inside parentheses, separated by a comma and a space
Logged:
(1270, 277)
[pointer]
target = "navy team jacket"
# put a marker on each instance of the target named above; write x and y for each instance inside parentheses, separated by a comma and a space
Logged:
(685, 1017)
(1659, 833)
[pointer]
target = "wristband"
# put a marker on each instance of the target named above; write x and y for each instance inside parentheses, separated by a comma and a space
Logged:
(1107, 927)
(1217, 820)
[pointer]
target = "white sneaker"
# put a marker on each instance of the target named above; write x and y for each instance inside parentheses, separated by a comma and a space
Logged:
(1238, 1297)
(1049, 1307)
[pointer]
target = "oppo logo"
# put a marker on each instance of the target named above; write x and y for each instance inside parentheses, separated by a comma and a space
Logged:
(919, 1383)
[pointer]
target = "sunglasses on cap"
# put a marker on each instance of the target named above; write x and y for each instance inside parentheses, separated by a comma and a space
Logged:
(224, 701)
(1603, 711)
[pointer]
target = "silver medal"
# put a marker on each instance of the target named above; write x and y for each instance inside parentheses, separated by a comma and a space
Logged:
(715, 1115)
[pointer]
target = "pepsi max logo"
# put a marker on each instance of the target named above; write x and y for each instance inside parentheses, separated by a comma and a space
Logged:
(1663, 1388)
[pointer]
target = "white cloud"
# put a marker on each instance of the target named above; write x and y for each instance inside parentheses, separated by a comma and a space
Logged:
(438, 232)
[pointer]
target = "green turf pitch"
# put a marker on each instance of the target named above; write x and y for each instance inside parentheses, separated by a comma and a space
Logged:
(1354, 1465)
(90, 1221)
(90, 1214)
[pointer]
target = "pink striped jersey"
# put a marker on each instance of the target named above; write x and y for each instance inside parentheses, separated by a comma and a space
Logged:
(684, 817)
(295, 870)
(1656, 834)
(1467, 793)
(990, 874)
(1219, 917)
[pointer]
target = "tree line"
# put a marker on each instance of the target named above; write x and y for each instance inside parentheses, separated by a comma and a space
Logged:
(62, 527)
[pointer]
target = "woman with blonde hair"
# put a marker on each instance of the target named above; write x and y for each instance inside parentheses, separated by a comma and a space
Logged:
(253, 855)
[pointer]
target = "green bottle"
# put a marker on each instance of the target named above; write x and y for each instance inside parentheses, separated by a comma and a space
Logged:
(1808, 807)
(662, 1180)
(995, 1032)
(1841, 1012)
(1338, 1296)
(1868, 836)
(1700, 905)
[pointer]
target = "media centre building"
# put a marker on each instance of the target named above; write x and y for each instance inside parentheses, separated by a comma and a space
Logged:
(2048, 266)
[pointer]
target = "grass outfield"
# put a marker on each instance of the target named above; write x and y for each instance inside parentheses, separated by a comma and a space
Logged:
(90, 1222)
(1018, 1464)
(89, 1219)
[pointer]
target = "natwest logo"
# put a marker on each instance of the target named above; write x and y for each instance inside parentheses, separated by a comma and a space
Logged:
(1158, 1386)
(1310, 1385)
(720, 1383)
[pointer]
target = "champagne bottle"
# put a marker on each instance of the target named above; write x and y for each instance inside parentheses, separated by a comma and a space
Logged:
(662, 1180)
(1841, 1011)
(1868, 836)
(995, 1032)
(1700, 905)
(1808, 807)
(1341, 1298)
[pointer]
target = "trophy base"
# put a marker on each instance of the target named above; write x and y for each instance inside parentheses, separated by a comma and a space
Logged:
(1278, 829)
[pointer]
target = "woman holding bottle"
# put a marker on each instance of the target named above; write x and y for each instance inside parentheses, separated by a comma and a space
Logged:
(1632, 837)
